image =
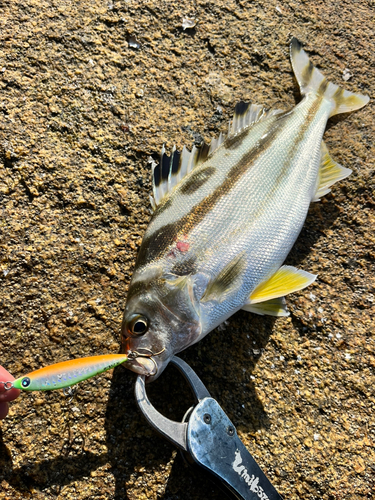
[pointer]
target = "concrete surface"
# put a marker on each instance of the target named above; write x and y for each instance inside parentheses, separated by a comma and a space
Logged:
(89, 89)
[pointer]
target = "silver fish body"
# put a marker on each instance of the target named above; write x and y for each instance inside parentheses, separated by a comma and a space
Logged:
(225, 219)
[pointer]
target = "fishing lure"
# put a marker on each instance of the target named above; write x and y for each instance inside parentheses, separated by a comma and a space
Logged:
(66, 373)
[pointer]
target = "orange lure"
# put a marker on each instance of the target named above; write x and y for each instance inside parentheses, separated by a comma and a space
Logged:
(67, 373)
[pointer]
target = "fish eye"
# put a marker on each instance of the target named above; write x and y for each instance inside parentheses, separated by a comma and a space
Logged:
(138, 325)
(25, 382)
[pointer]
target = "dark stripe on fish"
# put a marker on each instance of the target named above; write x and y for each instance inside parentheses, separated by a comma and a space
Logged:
(295, 47)
(164, 205)
(234, 141)
(323, 87)
(241, 108)
(196, 180)
(338, 96)
(203, 150)
(136, 288)
(153, 246)
(157, 175)
(185, 267)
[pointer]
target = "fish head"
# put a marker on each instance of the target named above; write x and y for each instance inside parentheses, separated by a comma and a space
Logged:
(161, 318)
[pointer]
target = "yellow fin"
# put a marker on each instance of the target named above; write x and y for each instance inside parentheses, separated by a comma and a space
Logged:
(329, 173)
(286, 280)
(273, 307)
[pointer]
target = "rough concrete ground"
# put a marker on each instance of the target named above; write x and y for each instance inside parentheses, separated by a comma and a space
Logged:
(82, 108)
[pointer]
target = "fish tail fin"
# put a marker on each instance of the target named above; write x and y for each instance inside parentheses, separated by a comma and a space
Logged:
(311, 80)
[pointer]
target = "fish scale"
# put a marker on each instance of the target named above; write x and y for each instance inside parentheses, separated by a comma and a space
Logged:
(226, 216)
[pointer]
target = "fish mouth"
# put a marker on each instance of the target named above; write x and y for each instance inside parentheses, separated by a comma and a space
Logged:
(143, 361)
(142, 365)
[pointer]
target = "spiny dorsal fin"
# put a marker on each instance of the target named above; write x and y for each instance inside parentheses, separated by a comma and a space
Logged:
(287, 279)
(171, 169)
(329, 173)
(246, 114)
(274, 307)
(215, 143)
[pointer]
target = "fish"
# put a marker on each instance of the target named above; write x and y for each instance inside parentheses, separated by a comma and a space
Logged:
(225, 217)
(66, 373)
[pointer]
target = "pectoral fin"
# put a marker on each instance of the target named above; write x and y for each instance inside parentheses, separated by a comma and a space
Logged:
(286, 280)
(228, 280)
(273, 307)
(329, 173)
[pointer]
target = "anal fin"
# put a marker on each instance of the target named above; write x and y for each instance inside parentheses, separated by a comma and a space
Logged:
(273, 307)
(329, 173)
(287, 279)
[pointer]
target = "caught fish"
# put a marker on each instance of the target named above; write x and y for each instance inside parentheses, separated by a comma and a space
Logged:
(225, 218)
(66, 373)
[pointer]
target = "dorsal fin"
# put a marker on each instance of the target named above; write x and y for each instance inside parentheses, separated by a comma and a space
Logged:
(171, 169)
(246, 114)
(215, 143)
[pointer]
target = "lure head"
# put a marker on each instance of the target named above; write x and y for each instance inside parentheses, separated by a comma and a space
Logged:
(22, 383)
(25, 383)
(160, 320)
